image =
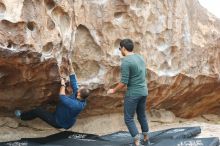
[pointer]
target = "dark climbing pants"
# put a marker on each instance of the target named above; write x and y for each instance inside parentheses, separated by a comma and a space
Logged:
(138, 105)
(39, 112)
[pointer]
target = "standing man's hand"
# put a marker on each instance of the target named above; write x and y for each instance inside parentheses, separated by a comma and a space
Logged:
(118, 87)
(111, 91)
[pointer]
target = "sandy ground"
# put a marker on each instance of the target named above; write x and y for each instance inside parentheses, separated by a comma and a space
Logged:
(13, 129)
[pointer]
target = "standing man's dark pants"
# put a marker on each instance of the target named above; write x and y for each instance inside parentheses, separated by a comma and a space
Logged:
(42, 114)
(138, 105)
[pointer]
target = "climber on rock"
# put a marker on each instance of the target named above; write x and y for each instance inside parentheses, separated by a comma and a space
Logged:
(68, 108)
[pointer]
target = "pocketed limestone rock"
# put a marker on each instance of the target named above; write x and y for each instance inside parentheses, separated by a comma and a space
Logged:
(179, 40)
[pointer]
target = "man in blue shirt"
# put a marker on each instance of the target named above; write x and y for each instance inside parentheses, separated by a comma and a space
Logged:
(68, 108)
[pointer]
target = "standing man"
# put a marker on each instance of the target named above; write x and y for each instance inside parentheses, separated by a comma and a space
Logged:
(72, 100)
(133, 75)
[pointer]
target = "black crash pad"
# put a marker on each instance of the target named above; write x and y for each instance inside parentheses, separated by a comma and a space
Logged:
(123, 137)
(63, 142)
(175, 133)
(64, 135)
(60, 136)
(84, 142)
(120, 137)
(213, 141)
(168, 137)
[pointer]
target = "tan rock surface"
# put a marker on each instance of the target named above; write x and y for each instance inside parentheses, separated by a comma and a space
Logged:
(179, 39)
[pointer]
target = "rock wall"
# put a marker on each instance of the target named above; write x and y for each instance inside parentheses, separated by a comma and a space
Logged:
(179, 39)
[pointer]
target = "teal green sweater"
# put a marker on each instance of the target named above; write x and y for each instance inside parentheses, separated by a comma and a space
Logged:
(133, 74)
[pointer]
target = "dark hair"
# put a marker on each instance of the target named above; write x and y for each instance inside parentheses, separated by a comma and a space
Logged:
(84, 93)
(127, 44)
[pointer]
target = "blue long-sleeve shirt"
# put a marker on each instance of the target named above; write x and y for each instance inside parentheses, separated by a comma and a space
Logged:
(69, 107)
